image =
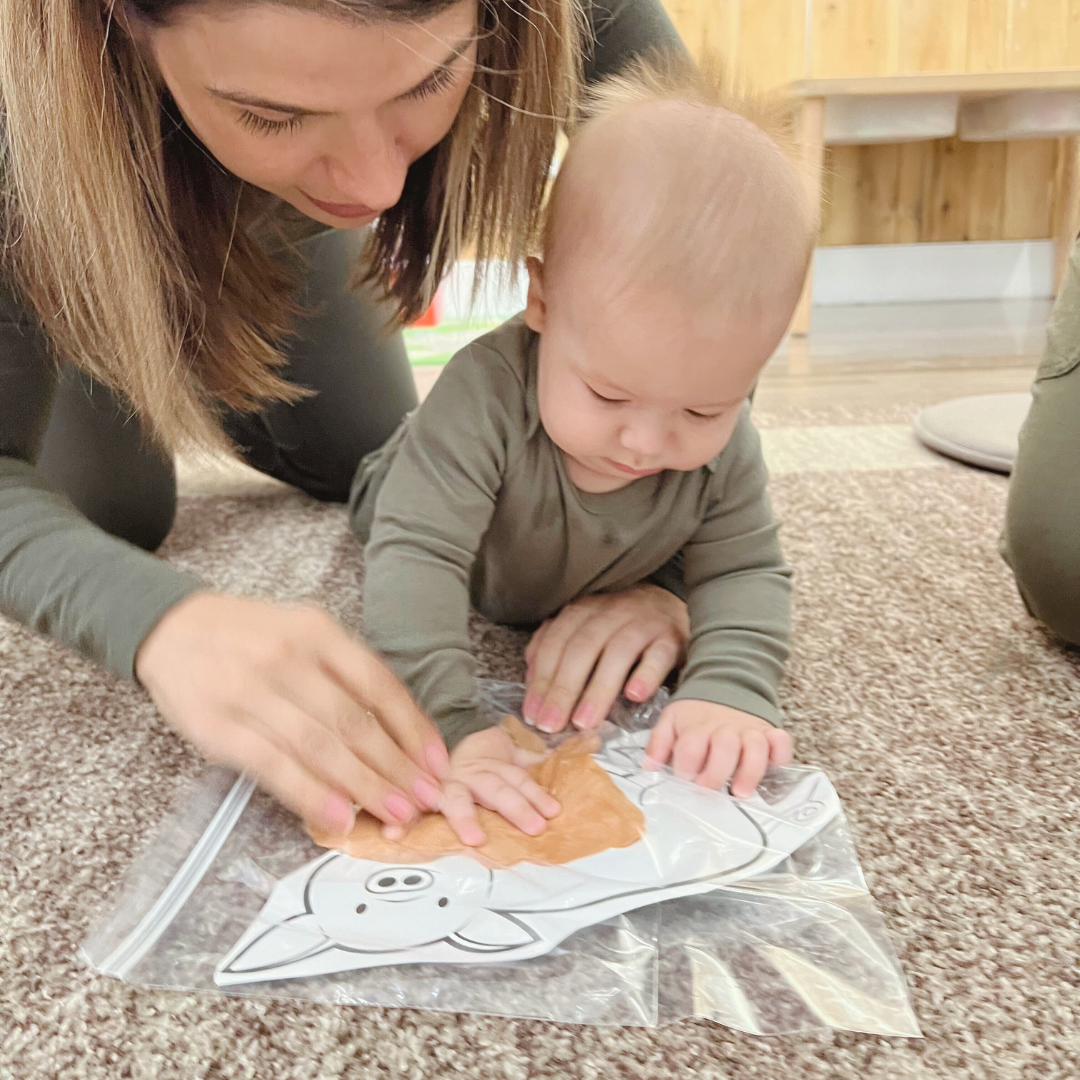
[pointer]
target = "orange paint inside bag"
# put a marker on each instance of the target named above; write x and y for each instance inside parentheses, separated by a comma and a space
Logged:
(595, 816)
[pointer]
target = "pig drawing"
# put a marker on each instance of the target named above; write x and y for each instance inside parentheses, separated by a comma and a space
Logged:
(339, 913)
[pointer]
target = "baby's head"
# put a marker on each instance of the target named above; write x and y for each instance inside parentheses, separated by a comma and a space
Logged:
(677, 241)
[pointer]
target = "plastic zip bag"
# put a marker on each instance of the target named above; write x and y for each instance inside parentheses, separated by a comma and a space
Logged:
(797, 947)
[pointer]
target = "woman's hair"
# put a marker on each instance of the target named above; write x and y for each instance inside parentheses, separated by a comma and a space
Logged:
(130, 241)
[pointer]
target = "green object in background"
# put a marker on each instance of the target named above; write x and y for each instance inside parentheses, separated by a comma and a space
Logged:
(430, 346)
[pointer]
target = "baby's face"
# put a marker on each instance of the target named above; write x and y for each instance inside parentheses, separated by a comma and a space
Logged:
(634, 382)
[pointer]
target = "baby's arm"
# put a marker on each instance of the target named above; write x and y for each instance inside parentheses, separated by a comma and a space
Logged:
(725, 714)
(430, 516)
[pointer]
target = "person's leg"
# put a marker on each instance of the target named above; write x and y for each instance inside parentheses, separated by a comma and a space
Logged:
(1041, 541)
(94, 449)
(361, 375)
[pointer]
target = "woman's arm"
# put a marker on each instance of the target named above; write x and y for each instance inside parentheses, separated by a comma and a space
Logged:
(59, 573)
(624, 29)
(284, 694)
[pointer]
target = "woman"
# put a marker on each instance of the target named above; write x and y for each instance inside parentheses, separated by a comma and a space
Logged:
(1041, 541)
(179, 180)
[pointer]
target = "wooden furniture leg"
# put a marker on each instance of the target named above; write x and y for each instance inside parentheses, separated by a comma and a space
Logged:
(811, 131)
(1069, 211)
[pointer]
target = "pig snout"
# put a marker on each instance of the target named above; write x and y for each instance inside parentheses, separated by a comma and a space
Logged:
(400, 880)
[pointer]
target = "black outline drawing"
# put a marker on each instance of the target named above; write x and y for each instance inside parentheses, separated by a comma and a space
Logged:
(620, 761)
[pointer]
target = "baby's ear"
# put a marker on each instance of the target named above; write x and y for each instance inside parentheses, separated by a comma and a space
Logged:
(535, 305)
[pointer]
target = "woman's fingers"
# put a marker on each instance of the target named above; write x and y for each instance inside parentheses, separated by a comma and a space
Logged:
(583, 649)
(623, 649)
(359, 729)
(282, 776)
(366, 678)
(549, 653)
(658, 660)
(323, 754)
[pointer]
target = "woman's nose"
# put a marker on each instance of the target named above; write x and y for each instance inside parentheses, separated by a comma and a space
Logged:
(369, 169)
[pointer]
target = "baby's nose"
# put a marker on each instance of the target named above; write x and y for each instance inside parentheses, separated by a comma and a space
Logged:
(644, 438)
(406, 880)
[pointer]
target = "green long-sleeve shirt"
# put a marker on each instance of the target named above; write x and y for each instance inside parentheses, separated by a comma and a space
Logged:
(62, 575)
(470, 501)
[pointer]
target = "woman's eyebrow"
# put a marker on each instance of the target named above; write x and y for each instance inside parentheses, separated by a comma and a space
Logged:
(239, 97)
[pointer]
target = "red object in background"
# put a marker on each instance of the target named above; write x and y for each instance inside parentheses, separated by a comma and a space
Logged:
(433, 315)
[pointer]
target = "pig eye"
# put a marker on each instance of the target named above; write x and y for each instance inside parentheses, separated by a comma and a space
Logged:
(361, 908)
(443, 901)
(413, 879)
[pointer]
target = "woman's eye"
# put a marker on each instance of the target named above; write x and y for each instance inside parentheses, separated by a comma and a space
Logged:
(435, 83)
(269, 127)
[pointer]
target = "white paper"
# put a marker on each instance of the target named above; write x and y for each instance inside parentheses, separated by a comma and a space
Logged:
(338, 913)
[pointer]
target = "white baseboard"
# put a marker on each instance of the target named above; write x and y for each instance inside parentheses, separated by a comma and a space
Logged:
(864, 274)
(913, 273)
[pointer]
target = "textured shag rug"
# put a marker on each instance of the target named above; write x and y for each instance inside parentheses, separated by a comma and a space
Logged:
(945, 717)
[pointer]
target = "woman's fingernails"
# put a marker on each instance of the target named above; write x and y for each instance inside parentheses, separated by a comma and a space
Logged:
(584, 714)
(339, 814)
(393, 833)
(549, 718)
(650, 764)
(530, 708)
(635, 690)
(399, 806)
(427, 793)
(437, 758)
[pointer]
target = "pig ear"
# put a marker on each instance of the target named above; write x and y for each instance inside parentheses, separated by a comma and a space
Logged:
(492, 931)
(282, 944)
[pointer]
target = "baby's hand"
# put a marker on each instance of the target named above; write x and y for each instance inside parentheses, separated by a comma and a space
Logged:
(487, 769)
(714, 743)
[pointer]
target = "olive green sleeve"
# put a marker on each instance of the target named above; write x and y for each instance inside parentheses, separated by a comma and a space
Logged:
(739, 589)
(430, 517)
(623, 29)
(60, 574)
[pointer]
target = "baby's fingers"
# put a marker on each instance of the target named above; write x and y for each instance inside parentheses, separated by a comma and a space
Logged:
(661, 742)
(458, 808)
(724, 748)
(753, 762)
(491, 790)
(780, 752)
(543, 800)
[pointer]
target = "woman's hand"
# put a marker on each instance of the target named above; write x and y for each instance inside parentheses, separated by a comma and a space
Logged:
(288, 696)
(634, 638)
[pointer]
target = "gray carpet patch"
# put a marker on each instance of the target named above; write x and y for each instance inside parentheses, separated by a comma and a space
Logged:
(945, 717)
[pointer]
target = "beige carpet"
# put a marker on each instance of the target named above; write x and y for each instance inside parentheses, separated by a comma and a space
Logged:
(946, 719)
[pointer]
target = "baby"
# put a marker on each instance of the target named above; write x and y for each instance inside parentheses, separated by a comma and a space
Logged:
(604, 431)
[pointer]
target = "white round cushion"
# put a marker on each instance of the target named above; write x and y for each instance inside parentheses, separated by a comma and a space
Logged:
(982, 430)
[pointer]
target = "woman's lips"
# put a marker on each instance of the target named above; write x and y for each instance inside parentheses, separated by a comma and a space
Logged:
(343, 210)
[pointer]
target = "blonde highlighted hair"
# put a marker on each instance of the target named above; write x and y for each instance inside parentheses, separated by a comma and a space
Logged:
(133, 245)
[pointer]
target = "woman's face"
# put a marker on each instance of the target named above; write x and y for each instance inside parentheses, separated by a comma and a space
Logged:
(326, 113)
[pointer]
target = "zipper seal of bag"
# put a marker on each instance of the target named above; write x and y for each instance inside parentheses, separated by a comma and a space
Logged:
(176, 894)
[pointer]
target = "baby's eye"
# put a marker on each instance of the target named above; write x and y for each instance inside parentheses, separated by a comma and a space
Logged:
(703, 416)
(609, 400)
